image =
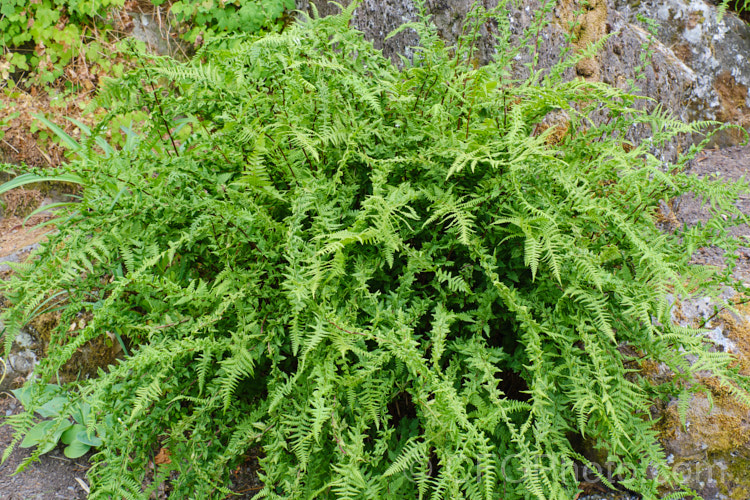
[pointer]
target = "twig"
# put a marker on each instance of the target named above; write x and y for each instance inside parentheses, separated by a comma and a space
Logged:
(83, 485)
(720, 310)
(353, 332)
(46, 157)
(158, 105)
(169, 325)
(250, 488)
(11, 146)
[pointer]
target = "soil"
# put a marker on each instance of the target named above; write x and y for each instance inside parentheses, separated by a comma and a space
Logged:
(54, 477)
(17, 234)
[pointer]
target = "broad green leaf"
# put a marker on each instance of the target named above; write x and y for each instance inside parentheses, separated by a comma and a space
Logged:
(29, 178)
(52, 407)
(76, 449)
(83, 437)
(71, 432)
(36, 434)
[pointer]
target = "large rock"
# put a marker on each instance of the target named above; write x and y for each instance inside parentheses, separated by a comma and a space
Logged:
(377, 18)
(699, 64)
(711, 450)
(32, 344)
(716, 50)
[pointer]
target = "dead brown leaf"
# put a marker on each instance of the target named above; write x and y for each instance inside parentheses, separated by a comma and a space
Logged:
(162, 457)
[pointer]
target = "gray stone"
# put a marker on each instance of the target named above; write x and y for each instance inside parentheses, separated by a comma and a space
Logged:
(149, 29)
(24, 340)
(377, 18)
(22, 362)
(700, 65)
(711, 451)
(17, 256)
(716, 50)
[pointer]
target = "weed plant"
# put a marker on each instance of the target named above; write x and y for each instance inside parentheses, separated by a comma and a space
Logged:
(41, 37)
(44, 36)
(392, 281)
(207, 18)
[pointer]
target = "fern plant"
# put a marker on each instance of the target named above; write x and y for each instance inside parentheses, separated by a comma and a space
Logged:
(739, 6)
(389, 280)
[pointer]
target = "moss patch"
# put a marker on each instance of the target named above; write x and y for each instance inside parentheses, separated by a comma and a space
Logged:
(587, 22)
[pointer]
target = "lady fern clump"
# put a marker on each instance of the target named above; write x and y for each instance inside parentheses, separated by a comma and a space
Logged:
(393, 282)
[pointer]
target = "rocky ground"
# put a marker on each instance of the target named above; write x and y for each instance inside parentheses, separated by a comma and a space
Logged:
(57, 477)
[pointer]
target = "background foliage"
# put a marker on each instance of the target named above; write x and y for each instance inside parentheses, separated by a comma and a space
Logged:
(395, 282)
(45, 35)
(207, 18)
(42, 37)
